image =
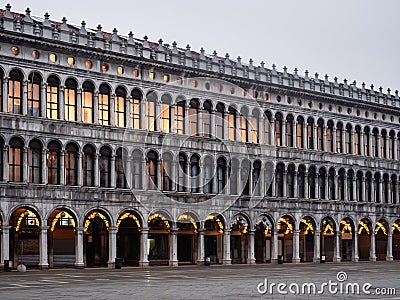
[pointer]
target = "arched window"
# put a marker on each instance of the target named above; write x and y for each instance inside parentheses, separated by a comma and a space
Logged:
(234, 176)
(385, 186)
(366, 141)
(244, 125)
(221, 175)
(53, 85)
(254, 127)
(88, 159)
(34, 94)
(245, 177)
(299, 132)
(137, 173)
(357, 141)
(310, 133)
(392, 141)
(15, 161)
(182, 171)
(15, 92)
(53, 163)
(278, 129)
(359, 179)
(151, 111)
(393, 189)
(329, 136)
(267, 128)
(219, 121)
(311, 182)
(256, 178)
(135, 108)
(206, 119)
(331, 184)
(87, 102)
(119, 106)
(341, 179)
(320, 134)
(348, 139)
(208, 175)
(368, 186)
(165, 113)
(119, 170)
(290, 181)
(104, 104)
(193, 117)
(232, 123)
(289, 131)
(71, 164)
(300, 181)
(194, 174)
(375, 142)
(166, 169)
(339, 134)
(280, 168)
(152, 170)
(180, 117)
(383, 143)
(350, 186)
(321, 183)
(35, 161)
(105, 167)
(70, 99)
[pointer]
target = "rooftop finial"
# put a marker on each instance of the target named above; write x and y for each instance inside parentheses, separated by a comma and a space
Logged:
(316, 75)
(130, 34)
(295, 71)
(251, 61)
(380, 89)
(363, 85)
(227, 55)
(83, 24)
(28, 11)
(345, 81)
(326, 77)
(188, 47)
(215, 53)
(202, 51)
(389, 90)
(335, 79)
(99, 27)
(372, 87)
(355, 83)
(145, 38)
(64, 20)
(306, 72)
(396, 93)
(273, 67)
(285, 69)
(8, 7)
(174, 44)
(46, 16)
(160, 42)
(115, 31)
(262, 63)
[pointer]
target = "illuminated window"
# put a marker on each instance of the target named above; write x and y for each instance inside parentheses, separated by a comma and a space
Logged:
(87, 102)
(179, 117)
(137, 170)
(267, 128)
(104, 105)
(244, 92)
(320, 135)
(165, 117)
(194, 83)
(35, 54)
(289, 131)
(152, 75)
(329, 137)
(15, 162)
(166, 78)
(105, 167)
(299, 132)
(71, 164)
(119, 170)
(15, 92)
(232, 123)
(180, 80)
(193, 111)
(151, 111)
(135, 108)
(220, 87)
(278, 129)
(206, 119)
(53, 163)
(88, 64)
(219, 121)
(70, 99)
(104, 68)
(310, 133)
(366, 141)
(136, 73)
(357, 144)
(255, 94)
(348, 139)
(53, 85)
(119, 107)
(254, 127)
(120, 70)
(35, 161)
(53, 57)
(166, 171)
(152, 170)
(15, 50)
(243, 128)
(71, 61)
(88, 158)
(382, 144)
(339, 142)
(34, 95)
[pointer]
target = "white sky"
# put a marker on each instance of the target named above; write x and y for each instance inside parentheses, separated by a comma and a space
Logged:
(358, 40)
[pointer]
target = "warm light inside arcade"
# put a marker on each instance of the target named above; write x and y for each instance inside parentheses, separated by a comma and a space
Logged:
(62, 239)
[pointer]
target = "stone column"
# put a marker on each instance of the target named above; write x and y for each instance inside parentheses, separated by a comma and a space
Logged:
(361, 143)
(260, 131)
(344, 140)
(200, 251)
(346, 191)
(373, 194)
(44, 166)
(43, 100)
(43, 255)
(61, 103)
(274, 254)
(113, 177)
(324, 138)
(355, 257)
(334, 146)
(226, 260)
(285, 191)
(80, 169)
(387, 141)
(370, 144)
(381, 194)
(145, 178)
(337, 255)
(157, 117)
(355, 196)
(128, 112)
(212, 124)
(5, 94)
(112, 248)
(24, 99)
(144, 262)
(79, 105)
(79, 263)
(295, 185)
(96, 171)
(186, 129)
(283, 138)
(173, 247)
(306, 188)
(296, 246)
(250, 255)
(62, 167)
(389, 250)
(96, 108)
(372, 253)
(5, 163)
(172, 118)
(5, 243)
(238, 133)
(112, 110)
(363, 189)
(25, 165)
(317, 245)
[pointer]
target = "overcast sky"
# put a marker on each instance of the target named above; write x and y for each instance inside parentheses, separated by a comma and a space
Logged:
(357, 40)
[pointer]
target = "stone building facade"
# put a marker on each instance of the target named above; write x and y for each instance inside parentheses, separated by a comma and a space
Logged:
(118, 147)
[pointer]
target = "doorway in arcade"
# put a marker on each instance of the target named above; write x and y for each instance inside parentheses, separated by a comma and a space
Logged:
(187, 239)
(128, 238)
(96, 239)
(213, 238)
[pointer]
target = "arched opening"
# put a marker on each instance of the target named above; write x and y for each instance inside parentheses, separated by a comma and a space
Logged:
(320, 134)
(70, 99)
(234, 176)
(254, 127)
(368, 187)
(348, 139)
(350, 185)
(366, 141)
(15, 91)
(34, 96)
(220, 121)
(104, 104)
(329, 136)
(120, 178)
(267, 127)
(182, 172)
(364, 239)
(290, 181)
(208, 177)
(306, 243)
(331, 184)
(359, 180)
(328, 229)
(87, 102)
(357, 140)
(62, 224)
(301, 181)
(137, 159)
(213, 230)
(119, 106)
(15, 160)
(311, 182)
(278, 129)
(105, 166)
(193, 117)
(71, 164)
(244, 124)
(339, 137)
(289, 131)
(310, 133)
(263, 239)
(88, 159)
(194, 173)
(135, 108)
(245, 177)
(280, 168)
(396, 239)
(128, 237)
(221, 175)
(24, 237)
(299, 132)
(96, 238)
(239, 239)
(53, 162)
(347, 233)
(381, 239)
(165, 113)
(322, 183)
(158, 239)
(206, 119)
(255, 178)
(180, 116)
(52, 96)
(187, 241)
(35, 161)
(166, 172)
(286, 227)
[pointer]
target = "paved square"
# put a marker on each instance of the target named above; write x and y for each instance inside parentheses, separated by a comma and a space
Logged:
(215, 282)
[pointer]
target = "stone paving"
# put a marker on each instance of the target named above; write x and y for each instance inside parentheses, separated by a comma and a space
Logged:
(191, 282)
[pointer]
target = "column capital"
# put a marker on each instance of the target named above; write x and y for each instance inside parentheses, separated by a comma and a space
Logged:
(43, 228)
(5, 227)
(79, 228)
